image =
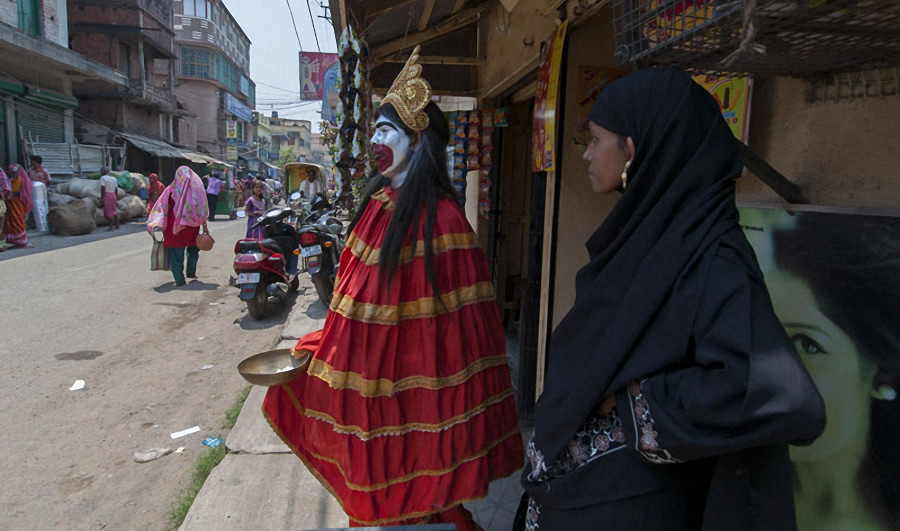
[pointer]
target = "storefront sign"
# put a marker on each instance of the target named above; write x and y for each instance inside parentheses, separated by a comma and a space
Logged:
(733, 95)
(237, 108)
(231, 153)
(546, 101)
(231, 129)
(591, 81)
(313, 67)
(832, 278)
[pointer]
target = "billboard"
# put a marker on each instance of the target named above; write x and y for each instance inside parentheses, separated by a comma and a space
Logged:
(313, 67)
(834, 279)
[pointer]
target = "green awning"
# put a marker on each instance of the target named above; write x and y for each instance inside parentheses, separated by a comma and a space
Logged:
(53, 99)
(11, 88)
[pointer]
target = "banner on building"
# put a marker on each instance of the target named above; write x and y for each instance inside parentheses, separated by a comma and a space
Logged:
(545, 102)
(591, 81)
(231, 153)
(833, 282)
(733, 95)
(231, 129)
(238, 108)
(313, 67)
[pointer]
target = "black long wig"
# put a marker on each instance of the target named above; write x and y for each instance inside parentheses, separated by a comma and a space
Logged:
(427, 181)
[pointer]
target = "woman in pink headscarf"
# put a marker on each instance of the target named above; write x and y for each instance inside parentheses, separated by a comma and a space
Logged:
(18, 205)
(179, 213)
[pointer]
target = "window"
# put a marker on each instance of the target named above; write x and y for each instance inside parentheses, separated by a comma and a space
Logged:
(198, 8)
(30, 19)
(196, 62)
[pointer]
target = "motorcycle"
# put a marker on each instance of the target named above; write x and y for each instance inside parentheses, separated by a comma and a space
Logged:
(268, 267)
(321, 245)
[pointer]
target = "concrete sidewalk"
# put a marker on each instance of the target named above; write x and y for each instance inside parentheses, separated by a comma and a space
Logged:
(262, 485)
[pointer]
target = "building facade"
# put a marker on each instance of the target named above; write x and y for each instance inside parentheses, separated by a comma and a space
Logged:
(320, 152)
(134, 37)
(291, 137)
(37, 73)
(213, 86)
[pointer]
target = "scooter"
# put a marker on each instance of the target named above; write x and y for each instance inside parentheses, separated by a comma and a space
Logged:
(267, 268)
(321, 245)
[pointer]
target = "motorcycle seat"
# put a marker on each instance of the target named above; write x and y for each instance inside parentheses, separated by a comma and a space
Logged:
(272, 245)
(248, 246)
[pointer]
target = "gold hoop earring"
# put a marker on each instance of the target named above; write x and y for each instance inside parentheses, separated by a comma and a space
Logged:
(625, 175)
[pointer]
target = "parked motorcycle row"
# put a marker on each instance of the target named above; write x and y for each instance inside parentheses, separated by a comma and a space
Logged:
(304, 236)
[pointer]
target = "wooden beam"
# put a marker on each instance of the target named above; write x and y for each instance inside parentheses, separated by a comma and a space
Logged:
(789, 191)
(512, 78)
(426, 14)
(438, 60)
(379, 10)
(448, 25)
(457, 6)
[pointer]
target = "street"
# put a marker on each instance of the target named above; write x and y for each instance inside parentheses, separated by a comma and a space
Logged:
(155, 360)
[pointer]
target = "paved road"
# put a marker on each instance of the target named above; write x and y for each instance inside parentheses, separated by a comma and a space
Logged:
(95, 312)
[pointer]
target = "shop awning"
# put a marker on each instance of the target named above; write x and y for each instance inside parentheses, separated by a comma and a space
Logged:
(200, 158)
(152, 146)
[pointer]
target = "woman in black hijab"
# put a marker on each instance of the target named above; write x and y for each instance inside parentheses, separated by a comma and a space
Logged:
(672, 388)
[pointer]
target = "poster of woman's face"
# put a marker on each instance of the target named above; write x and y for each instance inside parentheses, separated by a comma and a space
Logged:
(834, 280)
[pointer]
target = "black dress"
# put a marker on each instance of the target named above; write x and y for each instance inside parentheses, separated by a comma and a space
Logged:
(671, 316)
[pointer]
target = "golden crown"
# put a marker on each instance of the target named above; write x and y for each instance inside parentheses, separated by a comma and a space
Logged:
(410, 94)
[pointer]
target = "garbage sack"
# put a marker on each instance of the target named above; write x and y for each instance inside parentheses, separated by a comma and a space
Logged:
(123, 178)
(130, 206)
(71, 219)
(41, 207)
(82, 188)
(138, 182)
(56, 199)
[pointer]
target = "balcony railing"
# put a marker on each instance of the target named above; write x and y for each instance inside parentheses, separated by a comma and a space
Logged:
(148, 94)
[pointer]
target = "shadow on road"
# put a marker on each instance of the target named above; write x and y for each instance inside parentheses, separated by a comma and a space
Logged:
(277, 313)
(193, 285)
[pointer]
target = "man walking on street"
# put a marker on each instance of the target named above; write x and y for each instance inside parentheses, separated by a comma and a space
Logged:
(212, 194)
(108, 187)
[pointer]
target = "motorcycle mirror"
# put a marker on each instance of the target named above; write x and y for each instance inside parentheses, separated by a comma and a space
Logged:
(320, 204)
(295, 196)
(241, 214)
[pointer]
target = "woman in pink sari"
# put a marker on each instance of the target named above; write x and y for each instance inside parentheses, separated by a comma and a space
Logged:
(179, 213)
(18, 205)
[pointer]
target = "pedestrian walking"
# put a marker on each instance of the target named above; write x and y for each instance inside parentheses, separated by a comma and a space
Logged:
(672, 389)
(212, 194)
(406, 410)
(18, 204)
(254, 208)
(179, 213)
(154, 190)
(108, 187)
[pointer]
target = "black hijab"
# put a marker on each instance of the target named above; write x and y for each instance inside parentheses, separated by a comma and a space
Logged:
(636, 300)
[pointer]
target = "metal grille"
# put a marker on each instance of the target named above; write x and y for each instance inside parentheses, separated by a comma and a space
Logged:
(785, 37)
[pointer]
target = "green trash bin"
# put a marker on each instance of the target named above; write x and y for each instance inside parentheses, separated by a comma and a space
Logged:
(225, 204)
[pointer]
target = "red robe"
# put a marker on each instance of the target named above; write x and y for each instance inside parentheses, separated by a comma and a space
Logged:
(407, 409)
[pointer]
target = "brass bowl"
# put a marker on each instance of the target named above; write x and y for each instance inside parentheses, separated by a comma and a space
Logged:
(273, 367)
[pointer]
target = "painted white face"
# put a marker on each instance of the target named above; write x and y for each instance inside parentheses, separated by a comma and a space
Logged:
(392, 148)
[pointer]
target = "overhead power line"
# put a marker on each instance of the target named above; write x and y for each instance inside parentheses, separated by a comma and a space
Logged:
(312, 20)
(297, 33)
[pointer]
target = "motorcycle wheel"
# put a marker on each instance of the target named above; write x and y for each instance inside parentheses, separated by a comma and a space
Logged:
(295, 284)
(257, 305)
(324, 288)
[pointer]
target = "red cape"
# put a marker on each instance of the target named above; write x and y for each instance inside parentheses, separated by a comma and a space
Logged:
(407, 408)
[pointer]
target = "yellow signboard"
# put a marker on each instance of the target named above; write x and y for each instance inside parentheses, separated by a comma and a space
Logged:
(545, 102)
(733, 95)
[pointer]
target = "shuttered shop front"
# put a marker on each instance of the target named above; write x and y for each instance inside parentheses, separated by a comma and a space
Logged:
(40, 123)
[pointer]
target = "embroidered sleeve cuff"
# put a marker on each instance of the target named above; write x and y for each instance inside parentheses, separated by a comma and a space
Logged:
(640, 428)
